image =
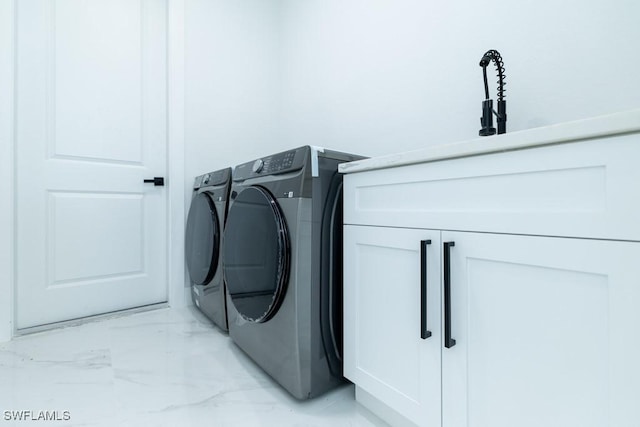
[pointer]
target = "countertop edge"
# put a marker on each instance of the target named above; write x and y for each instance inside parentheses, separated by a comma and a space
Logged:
(625, 122)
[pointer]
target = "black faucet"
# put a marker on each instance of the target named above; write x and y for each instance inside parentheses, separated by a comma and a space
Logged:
(486, 121)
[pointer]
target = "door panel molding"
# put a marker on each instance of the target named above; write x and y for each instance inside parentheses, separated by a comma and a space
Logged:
(94, 160)
(59, 228)
(72, 45)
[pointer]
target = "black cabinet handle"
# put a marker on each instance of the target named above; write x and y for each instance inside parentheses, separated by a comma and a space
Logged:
(424, 333)
(158, 181)
(448, 341)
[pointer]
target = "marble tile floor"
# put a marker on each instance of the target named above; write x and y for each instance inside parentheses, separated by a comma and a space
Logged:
(166, 367)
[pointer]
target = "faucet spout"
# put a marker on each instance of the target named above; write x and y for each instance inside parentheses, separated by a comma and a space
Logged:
(487, 105)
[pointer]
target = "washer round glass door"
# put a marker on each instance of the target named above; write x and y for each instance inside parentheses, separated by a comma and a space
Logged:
(256, 254)
(202, 239)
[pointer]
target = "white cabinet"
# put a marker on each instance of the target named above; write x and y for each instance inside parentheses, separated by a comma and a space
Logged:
(538, 323)
(538, 289)
(581, 189)
(387, 351)
(546, 332)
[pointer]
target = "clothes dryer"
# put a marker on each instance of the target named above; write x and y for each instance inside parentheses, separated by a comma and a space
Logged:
(205, 229)
(283, 265)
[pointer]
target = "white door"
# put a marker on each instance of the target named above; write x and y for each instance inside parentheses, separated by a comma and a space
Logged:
(541, 329)
(91, 125)
(390, 350)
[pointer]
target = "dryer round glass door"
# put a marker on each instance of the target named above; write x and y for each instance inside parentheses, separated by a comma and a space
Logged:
(256, 254)
(202, 245)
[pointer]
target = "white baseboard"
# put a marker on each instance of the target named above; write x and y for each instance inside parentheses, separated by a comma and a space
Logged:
(380, 409)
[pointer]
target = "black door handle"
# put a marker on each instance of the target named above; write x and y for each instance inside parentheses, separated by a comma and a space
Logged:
(158, 181)
(448, 341)
(424, 333)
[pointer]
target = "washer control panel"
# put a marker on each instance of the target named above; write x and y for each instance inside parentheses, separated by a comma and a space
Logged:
(271, 165)
(277, 163)
(212, 178)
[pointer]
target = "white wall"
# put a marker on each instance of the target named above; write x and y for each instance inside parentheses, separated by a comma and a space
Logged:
(378, 77)
(232, 82)
(6, 169)
(176, 151)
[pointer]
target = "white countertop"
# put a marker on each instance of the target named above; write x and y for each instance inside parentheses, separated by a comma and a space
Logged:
(596, 127)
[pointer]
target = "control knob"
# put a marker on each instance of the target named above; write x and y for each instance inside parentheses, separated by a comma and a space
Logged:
(257, 166)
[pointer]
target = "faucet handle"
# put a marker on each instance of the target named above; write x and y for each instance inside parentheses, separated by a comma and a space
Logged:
(486, 121)
(501, 117)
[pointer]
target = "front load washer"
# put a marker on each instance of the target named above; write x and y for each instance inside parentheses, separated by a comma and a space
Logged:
(283, 266)
(205, 229)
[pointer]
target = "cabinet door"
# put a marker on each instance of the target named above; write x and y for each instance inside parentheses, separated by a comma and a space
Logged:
(385, 353)
(545, 330)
